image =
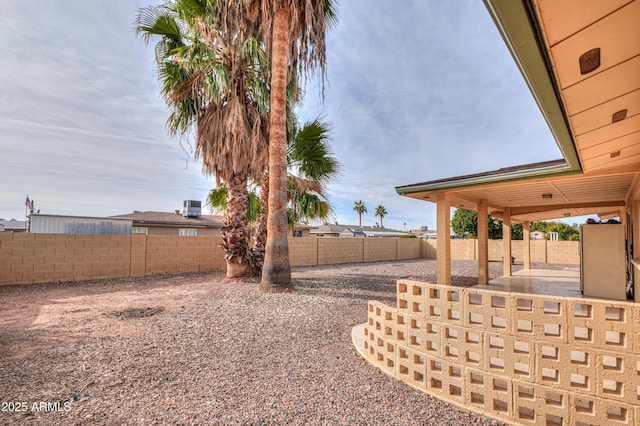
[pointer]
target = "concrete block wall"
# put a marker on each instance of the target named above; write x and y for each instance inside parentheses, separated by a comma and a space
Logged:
(428, 248)
(174, 254)
(303, 251)
(340, 250)
(563, 252)
(31, 258)
(520, 358)
(34, 258)
(408, 248)
(465, 249)
(379, 249)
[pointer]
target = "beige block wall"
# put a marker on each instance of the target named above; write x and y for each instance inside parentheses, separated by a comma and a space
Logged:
(563, 252)
(340, 250)
(171, 254)
(303, 251)
(463, 249)
(408, 248)
(428, 248)
(379, 249)
(32, 258)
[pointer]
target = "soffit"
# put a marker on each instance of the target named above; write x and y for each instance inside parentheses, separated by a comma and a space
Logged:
(579, 195)
(570, 28)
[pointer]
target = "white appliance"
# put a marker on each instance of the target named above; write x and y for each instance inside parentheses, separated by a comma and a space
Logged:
(603, 261)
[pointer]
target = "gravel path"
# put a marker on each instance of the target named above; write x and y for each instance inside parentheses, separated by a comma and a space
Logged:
(186, 349)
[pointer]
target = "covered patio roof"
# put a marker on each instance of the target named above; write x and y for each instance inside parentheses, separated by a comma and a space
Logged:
(581, 61)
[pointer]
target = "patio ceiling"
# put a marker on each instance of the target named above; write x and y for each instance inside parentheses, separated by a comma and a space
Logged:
(581, 60)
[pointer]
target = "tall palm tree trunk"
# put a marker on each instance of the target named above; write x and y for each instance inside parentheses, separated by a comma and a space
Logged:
(276, 272)
(235, 236)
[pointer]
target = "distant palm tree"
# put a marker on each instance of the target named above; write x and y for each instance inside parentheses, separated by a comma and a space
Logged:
(381, 212)
(360, 208)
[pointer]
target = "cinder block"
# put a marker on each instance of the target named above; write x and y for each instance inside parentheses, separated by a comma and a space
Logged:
(487, 310)
(21, 268)
(446, 379)
(450, 304)
(540, 317)
(618, 377)
(509, 356)
(590, 410)
(602, 324)
(452, 342)
(566, 367)
(423, 335)
(488, 393)
(394, 324)
(433, 297)
(384, 352)
(22, 252)
(410, 296)
(540, 405)
(412, 366)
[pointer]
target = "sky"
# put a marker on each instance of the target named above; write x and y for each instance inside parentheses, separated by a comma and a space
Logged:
(415, 91)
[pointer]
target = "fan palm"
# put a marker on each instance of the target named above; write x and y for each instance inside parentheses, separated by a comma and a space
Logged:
(381, 212)
(212, 74)
(359, 208)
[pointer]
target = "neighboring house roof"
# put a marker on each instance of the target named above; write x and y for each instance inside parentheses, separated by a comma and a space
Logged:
(172, 219)
(329, 228)
(384, 233)
(592, 113)
(14, 225)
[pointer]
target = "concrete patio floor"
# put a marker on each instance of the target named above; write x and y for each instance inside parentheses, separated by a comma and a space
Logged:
(539, 281)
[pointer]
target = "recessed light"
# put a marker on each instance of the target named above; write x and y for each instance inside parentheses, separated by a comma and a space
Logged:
(615, 154)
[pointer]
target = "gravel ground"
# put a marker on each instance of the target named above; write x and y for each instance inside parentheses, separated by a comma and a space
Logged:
(186, 349)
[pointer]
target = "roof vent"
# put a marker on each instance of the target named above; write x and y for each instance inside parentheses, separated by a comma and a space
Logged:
(589, 61)
(618, 115)
(192, 208)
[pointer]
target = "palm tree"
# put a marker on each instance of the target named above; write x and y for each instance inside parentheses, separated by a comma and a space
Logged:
(217, 201)
(312, 166)
(211, 73)
(382, 212)
(360, 208)
(294, 34)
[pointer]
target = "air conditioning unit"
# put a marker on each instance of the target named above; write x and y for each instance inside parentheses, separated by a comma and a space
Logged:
(192, 208)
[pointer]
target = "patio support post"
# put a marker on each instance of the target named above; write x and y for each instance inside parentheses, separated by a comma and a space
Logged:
(443, 257)
(483, 243)
(506, 241)
(526, 236)
(635, 225)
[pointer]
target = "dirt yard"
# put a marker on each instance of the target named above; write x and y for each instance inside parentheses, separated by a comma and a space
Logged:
(186, 349)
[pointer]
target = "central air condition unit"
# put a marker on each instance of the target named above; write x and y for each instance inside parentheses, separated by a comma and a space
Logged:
(192, 208)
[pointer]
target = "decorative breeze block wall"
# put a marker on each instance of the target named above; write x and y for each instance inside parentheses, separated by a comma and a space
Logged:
(520, 358)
